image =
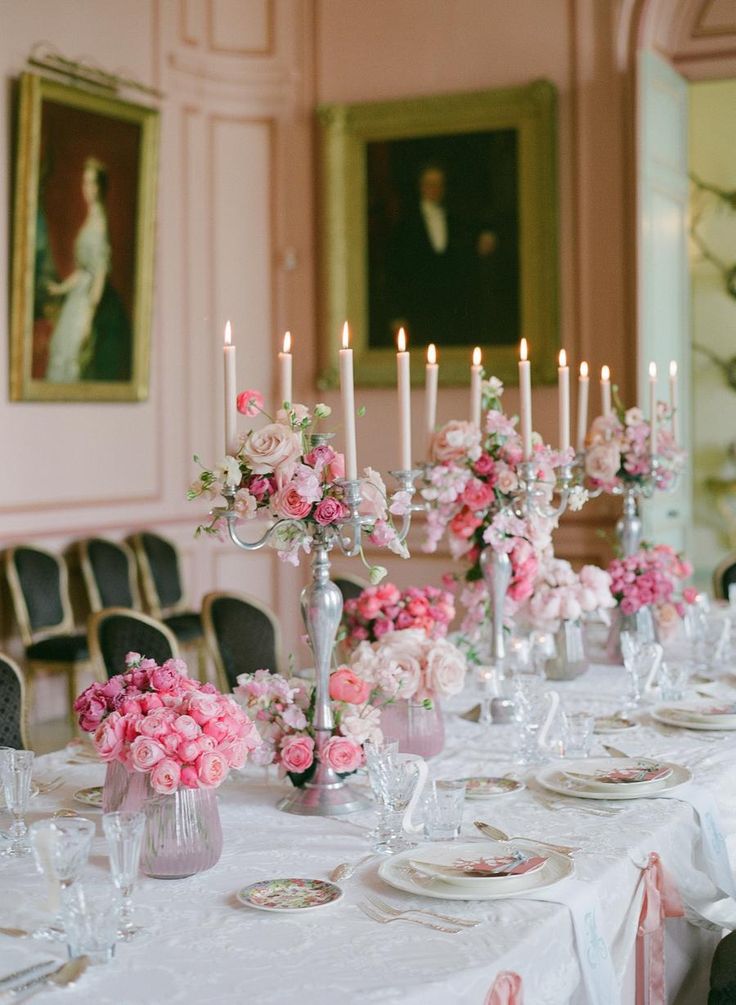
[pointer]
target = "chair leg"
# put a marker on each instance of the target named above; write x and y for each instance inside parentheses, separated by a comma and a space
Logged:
(30, 699)
(71, 685)
(202, 661)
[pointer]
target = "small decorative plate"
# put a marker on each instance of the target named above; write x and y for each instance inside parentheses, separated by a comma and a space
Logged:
(293, 894)
(613, 724)
(489, 787)
(90, 797)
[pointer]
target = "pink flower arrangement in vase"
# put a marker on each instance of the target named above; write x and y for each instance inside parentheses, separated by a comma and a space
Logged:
(648, 581)
(619, 450)
(561, 594)
(386, 608)
(287, 471)
(282, 712)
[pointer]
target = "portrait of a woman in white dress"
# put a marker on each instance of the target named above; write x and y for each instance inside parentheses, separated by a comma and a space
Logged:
(91, 339)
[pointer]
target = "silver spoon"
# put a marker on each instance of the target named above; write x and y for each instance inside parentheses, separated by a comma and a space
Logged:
(346, 869)
(498, 835)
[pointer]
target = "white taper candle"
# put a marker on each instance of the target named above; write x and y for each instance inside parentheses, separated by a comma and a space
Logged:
(563, 389)
(476, 371)
(231, 436)
(525, 391)
(583, 389)
(347, 391)
(403, 379)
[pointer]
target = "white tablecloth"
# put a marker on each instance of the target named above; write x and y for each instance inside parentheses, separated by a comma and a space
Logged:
(204, 947)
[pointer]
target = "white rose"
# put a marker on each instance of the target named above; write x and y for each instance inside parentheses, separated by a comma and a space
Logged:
(270, 448)
(445, 669)
(455, 441)
(602, 462)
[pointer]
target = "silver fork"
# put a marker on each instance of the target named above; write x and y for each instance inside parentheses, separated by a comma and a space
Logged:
(51, 786)
(395, 912)
(375, 915)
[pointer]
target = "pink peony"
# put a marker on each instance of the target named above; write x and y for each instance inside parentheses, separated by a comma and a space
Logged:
(297, 753)
(341, 754)
(165, 776)
(347, 686)
(250, 402)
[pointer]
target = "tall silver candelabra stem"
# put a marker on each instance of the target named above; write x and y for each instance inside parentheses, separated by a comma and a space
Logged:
(629, 525)
(496, 569)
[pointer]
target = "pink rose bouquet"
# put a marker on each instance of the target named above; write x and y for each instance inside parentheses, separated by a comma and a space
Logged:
(278, 474)
(561, 594)
(157, 720)
(619, 449)
(282, 712)
(650, 578)
(386, 608)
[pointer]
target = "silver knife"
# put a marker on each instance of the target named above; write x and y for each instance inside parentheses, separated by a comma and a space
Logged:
(27, 973)
(63, 974)
(614, 751)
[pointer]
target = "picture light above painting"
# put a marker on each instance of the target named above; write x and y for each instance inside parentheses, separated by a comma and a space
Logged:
(440, 215)
(83, 245)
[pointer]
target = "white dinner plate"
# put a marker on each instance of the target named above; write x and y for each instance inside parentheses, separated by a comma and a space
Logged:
(446, 861)
(660, 715)
(588, 772)
(552, 778)
(398, 872)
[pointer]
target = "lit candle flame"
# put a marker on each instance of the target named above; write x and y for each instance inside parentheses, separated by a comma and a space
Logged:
(431, 353)
(287, 341)
(583, 369)
(228, 334)
(401, 340)
(523, 351)
(345, 336)
(476, 356)
(563, 357)
(652, 371)
(673, 368)
(605, 373)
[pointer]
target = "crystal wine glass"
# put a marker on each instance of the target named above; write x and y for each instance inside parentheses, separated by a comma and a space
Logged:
(394, 778)
(16, 767)
(124, 833)
(61, 847)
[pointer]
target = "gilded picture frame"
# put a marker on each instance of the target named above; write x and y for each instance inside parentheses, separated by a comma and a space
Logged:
(83, 245)
(496, 151)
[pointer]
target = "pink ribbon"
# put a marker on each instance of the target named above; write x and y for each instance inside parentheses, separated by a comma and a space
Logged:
(661, 900)
(506, 990)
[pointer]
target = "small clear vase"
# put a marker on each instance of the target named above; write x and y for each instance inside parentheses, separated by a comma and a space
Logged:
(418, 729)
(183, 833)
(640, 624)
(570, 659)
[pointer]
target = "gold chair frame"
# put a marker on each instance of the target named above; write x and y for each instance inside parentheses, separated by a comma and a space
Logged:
(93, 640)
(24, 730)
(211, 635)
(724, 564)
(90, 580)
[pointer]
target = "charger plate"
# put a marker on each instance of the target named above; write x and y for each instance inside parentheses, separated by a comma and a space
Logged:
(398, 872)
(685, 716)
(554, 779)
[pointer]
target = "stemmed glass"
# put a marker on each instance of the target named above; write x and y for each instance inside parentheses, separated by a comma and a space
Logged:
(16, 767)
(396, 780)
(124, 833)
(61, 848)
(639, 662)
(535, 707)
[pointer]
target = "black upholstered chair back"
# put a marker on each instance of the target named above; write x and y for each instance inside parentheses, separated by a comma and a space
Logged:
(12, 705)
(109, 574)
(38, 585)
(242, 635)
(724, 576)
(160, 568)
(350, 588)
(114, 632)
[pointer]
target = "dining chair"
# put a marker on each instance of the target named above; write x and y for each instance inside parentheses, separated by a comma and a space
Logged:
(39, 589)
(724, 575)
(723, 972)
(114, 632)
(350, 586)
(13, 709)
(163, 591)
(109, 574)
(242, 634)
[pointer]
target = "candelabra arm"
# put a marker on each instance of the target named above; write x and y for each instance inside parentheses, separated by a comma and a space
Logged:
(405, 479)
(230, 516)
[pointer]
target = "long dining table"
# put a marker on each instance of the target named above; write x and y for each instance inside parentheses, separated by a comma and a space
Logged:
(203, 945)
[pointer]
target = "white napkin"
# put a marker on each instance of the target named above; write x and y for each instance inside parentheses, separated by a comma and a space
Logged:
(594, 956)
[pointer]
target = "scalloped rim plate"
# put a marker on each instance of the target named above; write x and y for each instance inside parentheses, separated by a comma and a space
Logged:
(264, 895)
(490, 786)
(91, 796)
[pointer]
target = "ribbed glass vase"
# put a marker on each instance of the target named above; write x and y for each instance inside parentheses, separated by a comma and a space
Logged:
(419, 730)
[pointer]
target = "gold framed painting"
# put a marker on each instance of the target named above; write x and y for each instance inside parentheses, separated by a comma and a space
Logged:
(83, 245)
(440, 215)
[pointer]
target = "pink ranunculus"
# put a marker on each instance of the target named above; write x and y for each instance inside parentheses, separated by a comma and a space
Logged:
(250, 402)
(342, 755)
(330, 510)
(297, 752)
(388, 593)
(602, 462)
(270, 448)
(212, 769)
(165, 776)
(289, 504)
(145, 752)
(110, 737)
(347, 686)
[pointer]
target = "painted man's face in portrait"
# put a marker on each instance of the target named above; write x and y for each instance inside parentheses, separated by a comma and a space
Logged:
(432, 185)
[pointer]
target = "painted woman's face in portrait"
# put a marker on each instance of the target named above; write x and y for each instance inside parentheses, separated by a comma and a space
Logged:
(90, 186)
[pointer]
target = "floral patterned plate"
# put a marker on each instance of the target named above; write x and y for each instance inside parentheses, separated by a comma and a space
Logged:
(291, 894)
(90, 797)
(613, 724)
(488, 787)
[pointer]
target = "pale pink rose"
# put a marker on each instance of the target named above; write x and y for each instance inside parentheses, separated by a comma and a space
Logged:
(157, 723)
(189, 750)
(270, 448)
(506, 480)
(110, 737)
(145, 752)
(150, 702)
(364, 727)
(330, 510)
(455, 441)
(203, 707)
(187, 727)
(341, 754)
(602, 462)
(250, 402)
(287, 503)
(212, 769)
(445, 669)
(166, 776)
(297, 753)
(245, 504)
(170, 742)
(336, 468)
(347, 686)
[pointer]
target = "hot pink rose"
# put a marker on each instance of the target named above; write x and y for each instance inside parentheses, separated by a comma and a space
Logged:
(478, 495)
(464, 524)
(330, 510)
(297, 753)
(689, 594)
(166, 776)
(189, 776)
(212, 769)
(164, 678)
(288, 503)
(92, 715)
(145, 752)
(150, 702)
(388, 593)
(347, 686)
(342, 755)
(250, 402)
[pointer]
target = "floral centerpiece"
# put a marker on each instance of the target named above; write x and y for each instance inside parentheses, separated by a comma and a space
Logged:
(286, 471)
(283, 711)
(561, 594)
(386, 608)
(649, 579)
(619, 450)
(158, 721)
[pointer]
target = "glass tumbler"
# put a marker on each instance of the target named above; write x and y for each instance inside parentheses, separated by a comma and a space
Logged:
(90, 911)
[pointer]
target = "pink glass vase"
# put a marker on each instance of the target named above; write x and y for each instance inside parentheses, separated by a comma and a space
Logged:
(183, 833)
(419, 730)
